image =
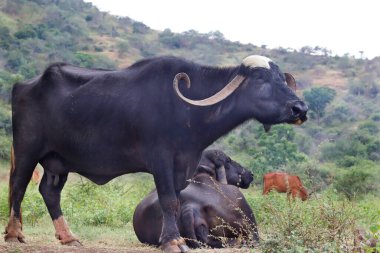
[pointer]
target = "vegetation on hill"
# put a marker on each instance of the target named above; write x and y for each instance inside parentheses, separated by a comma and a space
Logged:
(337, 149)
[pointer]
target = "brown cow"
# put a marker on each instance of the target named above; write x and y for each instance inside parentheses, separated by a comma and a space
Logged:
(283, 182)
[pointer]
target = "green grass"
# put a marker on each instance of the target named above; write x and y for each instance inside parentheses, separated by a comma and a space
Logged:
(101, 215)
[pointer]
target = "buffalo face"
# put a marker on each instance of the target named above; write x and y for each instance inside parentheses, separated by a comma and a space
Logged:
(269, 95)
(237, 174)
(225, 170)
(262, 92)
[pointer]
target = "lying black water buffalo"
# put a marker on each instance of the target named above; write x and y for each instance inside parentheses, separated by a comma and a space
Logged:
(102, 124)
(209, 208)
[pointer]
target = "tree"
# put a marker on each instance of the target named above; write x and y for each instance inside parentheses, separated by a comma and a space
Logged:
(5, 37)
(317, 99)
(354, 182)
(262, 151)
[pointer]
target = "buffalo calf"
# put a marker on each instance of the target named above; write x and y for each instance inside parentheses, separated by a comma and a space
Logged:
(210, 207)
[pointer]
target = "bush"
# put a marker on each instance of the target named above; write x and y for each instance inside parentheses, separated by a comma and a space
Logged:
(316, 225)
(7, 80)
(376, 117)
(93, 61)
(15, 59)
(34, 207)
(338, 115)
(353, 145)
(5, 37)
(4, 210)
(26, 32)
(5, 145)
(348, 161)
(354, 183)
(373, 150)
(112, 204)
(369, 127)
(264, 152)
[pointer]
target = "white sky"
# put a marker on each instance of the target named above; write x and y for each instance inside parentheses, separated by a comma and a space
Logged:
(343, 26)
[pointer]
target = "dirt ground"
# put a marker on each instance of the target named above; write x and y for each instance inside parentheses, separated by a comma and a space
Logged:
(55, 248)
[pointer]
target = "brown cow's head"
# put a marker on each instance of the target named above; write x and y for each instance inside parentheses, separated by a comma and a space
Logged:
(303, 193)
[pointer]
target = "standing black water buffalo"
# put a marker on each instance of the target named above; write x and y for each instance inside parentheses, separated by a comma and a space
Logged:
(102, 124)
(209, 208)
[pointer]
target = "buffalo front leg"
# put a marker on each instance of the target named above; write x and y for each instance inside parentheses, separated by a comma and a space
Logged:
(20, 176)
(170, 239)
(50, 189)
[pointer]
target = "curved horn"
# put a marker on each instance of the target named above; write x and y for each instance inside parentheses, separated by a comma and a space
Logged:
(222, 94)
(221, 175)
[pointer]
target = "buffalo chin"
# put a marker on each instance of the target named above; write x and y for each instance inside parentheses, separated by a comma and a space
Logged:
(298, 121)
(267, 127)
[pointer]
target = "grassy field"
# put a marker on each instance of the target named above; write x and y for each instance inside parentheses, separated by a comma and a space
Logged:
(101, 217)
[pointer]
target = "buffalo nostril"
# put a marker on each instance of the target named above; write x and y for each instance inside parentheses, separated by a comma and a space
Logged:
(299, 108)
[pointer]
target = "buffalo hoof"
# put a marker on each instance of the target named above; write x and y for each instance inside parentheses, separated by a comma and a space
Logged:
(175, 246)
(13, 234)
(16, 239)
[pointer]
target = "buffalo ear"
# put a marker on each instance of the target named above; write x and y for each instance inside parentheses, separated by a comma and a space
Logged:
(221, 175)
(202, 168)
(290, 81)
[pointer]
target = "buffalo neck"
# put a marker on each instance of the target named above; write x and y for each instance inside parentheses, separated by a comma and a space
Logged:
(216, 120)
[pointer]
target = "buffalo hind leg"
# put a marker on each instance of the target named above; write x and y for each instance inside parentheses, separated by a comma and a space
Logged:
(50, 189)
(170, 239)
(18, 182)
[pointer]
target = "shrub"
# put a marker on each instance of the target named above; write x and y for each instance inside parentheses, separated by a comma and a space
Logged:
(26, 32)
(373, 150)
(317, 99)
(35, 205)
(338, 115)
(5, 145)
(348, 161)
(354, 183)
(4, 210)
(376, 117)
(112, 204)
(15, 59)
(369, 127)
(317, 225)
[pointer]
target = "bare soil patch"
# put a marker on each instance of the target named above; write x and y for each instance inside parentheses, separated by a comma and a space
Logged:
(55, 248)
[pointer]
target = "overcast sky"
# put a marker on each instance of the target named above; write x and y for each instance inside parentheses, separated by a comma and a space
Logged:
(342, 26)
